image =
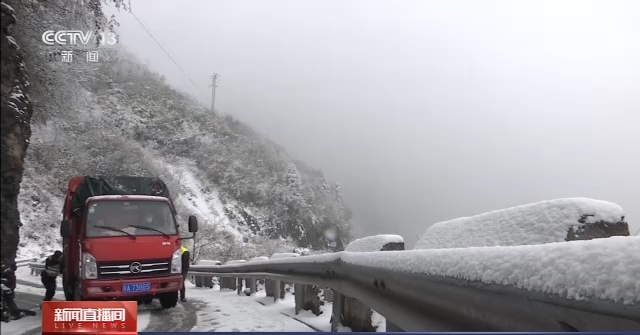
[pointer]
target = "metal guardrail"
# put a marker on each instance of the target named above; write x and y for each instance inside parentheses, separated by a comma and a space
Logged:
(23, 262)
(38, 266)
(420, 302)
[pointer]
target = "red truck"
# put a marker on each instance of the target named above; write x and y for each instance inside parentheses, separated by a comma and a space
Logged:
(121, 241)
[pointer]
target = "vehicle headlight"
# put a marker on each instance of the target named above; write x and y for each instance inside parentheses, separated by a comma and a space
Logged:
(176, 261)
(89, 266)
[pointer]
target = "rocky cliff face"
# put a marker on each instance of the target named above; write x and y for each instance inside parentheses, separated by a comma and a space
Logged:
(15, 123)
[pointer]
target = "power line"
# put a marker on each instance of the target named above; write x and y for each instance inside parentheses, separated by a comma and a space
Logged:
(166, 52)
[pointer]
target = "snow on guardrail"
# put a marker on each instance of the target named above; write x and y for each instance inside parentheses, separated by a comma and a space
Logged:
(236, 261)
(536, 223)
(23, 262)
(605, 269)
(279, 255)
(373, 243)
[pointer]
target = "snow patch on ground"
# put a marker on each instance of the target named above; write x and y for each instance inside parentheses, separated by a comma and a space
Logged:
(31, 323)
(24, 273)
(373, 243)
(24, 325)
(226, 311)
(287, 306)
(143, 320)
(536, 223)
(379, 321)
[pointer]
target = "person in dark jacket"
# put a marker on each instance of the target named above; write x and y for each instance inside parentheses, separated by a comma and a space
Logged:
(52, 269)
(185, 270)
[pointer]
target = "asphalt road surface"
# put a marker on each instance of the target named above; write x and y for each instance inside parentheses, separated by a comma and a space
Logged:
(28, 300)
(181, 318)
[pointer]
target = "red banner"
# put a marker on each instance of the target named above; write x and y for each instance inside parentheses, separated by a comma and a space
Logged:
(90, 317)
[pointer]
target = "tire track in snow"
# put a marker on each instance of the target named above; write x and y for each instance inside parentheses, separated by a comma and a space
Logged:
(181, 318)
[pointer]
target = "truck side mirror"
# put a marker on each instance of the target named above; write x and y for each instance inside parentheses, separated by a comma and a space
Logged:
(193, 224)
(65, 228)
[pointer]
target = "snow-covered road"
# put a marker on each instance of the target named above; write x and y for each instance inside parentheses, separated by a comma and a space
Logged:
(206, 310)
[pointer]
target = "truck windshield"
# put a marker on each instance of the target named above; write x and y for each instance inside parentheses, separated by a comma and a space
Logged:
(130, 218)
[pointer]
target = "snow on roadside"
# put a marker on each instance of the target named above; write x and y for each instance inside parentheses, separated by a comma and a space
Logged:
(24, 273)
(25, 325)
(30, 290)
(287, 306)
(226, 311)
(29, 324)
(535, 223)
(379, 321)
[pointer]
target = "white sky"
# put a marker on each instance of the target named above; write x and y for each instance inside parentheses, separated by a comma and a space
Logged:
(423, 110)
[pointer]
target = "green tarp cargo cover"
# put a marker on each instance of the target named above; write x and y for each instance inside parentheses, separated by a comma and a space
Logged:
(117, 185)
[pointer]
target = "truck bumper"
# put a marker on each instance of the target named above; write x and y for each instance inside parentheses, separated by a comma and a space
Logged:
(112, 288)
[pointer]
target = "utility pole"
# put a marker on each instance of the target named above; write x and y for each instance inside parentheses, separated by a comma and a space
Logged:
(214, 84)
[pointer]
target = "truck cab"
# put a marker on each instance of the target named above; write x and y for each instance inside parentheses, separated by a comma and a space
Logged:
(121, 246)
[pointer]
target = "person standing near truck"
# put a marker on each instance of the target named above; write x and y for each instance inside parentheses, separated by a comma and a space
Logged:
(185, 270)
(52, 269)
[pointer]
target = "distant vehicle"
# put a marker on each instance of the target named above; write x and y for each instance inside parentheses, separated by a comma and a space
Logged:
(121, 238)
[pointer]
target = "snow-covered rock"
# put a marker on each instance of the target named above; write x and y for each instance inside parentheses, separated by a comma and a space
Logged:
(536, 223)
(373, 243)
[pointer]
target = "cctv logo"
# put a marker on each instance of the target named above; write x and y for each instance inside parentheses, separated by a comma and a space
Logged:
(72, 37)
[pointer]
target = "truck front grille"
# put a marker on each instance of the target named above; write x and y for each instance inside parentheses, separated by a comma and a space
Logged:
(132, 269)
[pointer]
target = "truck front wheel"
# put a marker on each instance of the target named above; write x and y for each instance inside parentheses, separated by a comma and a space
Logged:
(168, 300)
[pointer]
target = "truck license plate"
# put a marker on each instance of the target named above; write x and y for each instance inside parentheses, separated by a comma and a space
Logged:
(137, 287)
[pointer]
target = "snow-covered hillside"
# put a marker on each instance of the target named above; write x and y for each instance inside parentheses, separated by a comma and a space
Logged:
(116, 117)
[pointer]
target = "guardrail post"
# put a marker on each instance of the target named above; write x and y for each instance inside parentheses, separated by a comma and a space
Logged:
(357, 315)
(251, 285)
(307, 298)
(239, 285)
(299, 296)
(337, 312)
(227, 283)
(269, 287)
(276, 290)
(231, 283)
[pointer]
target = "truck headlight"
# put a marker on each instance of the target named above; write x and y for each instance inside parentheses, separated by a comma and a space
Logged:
(89, 266)
(176, 261)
